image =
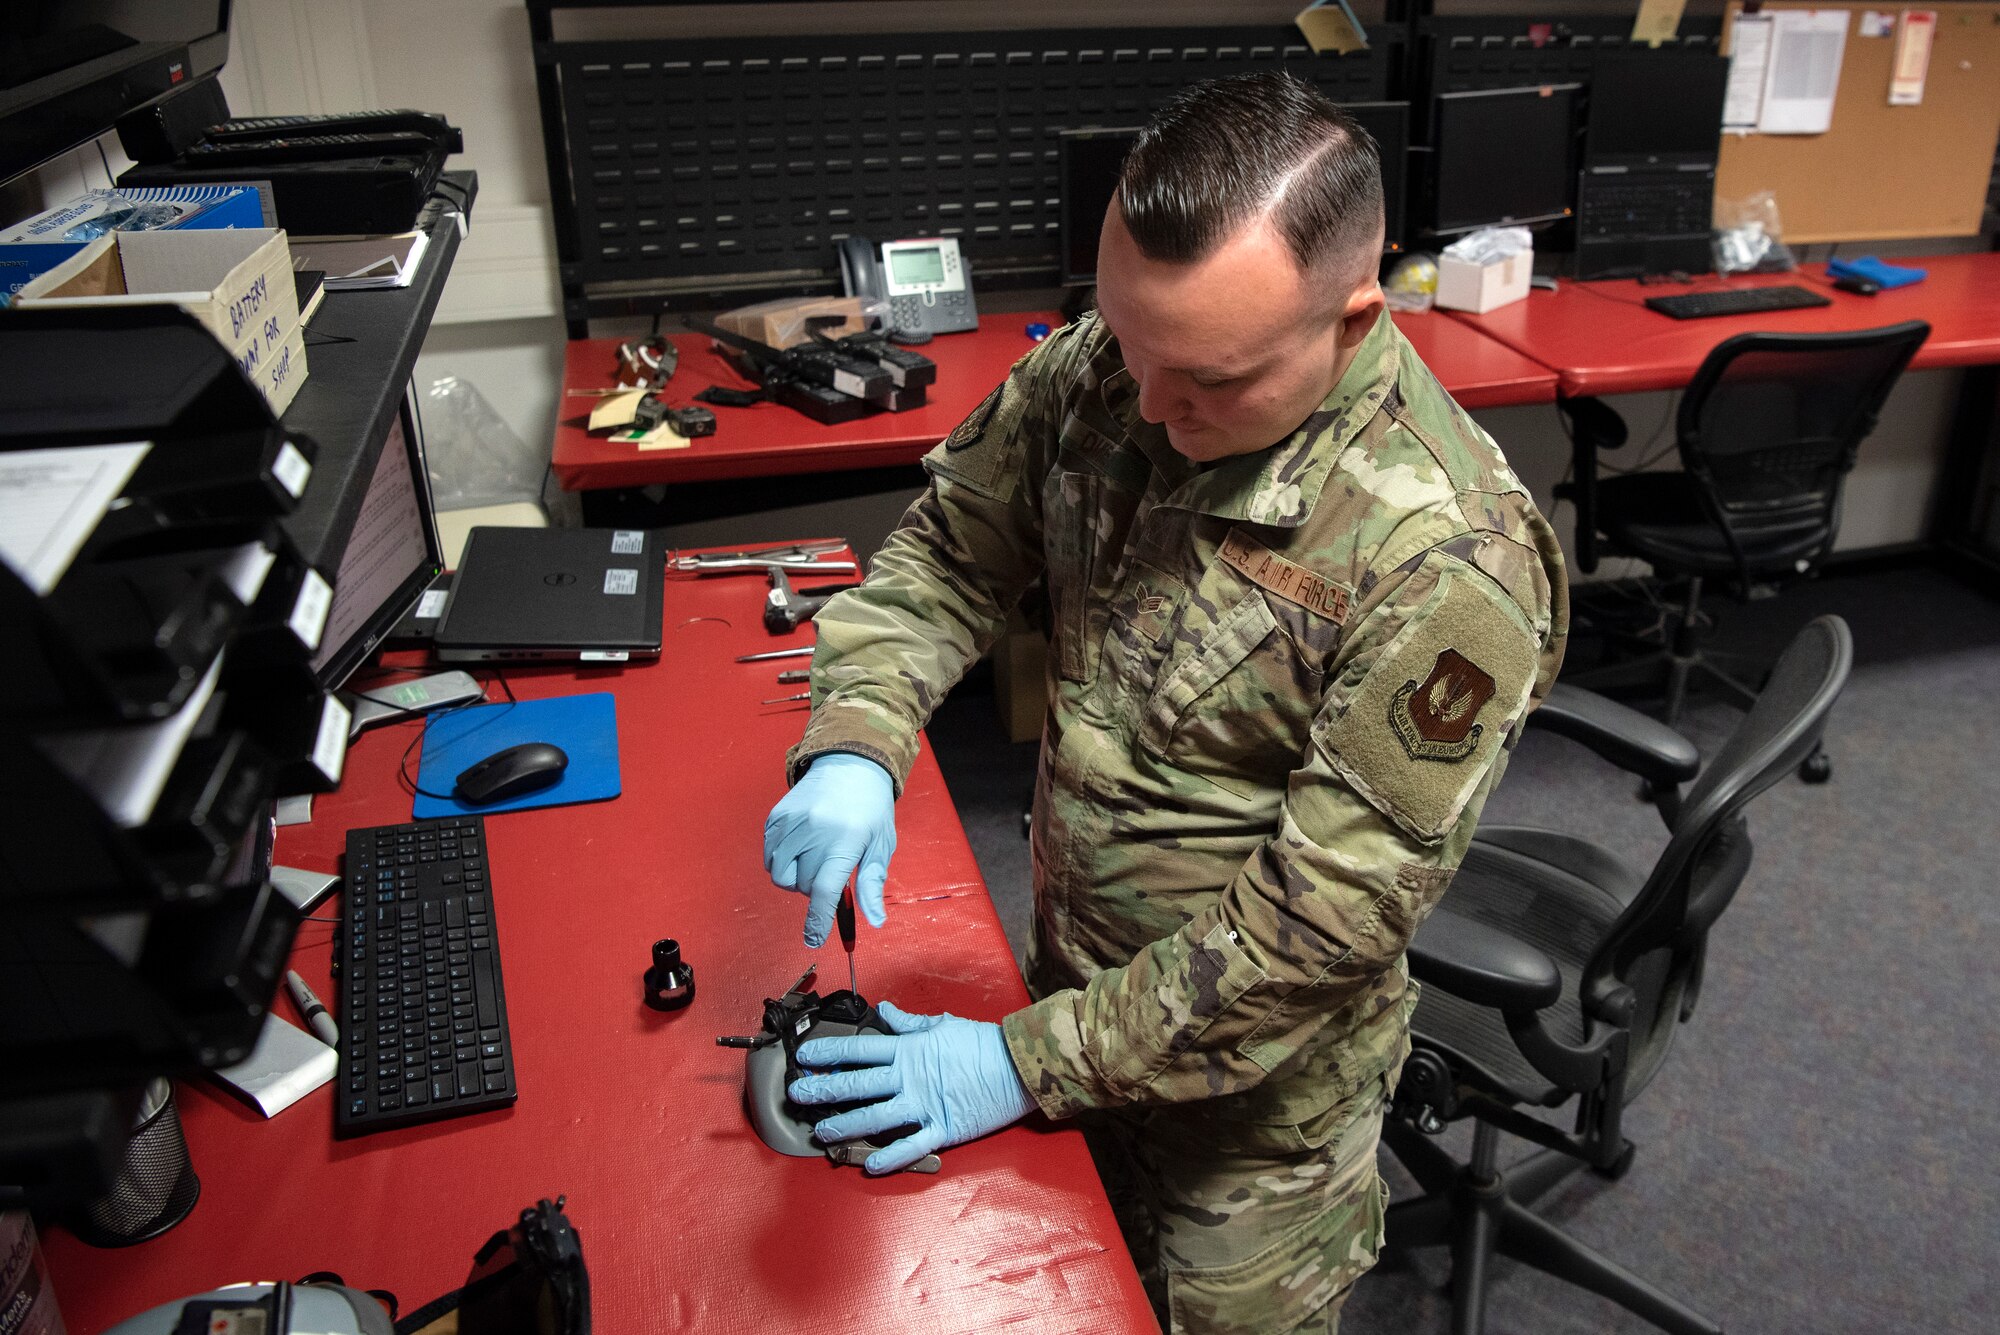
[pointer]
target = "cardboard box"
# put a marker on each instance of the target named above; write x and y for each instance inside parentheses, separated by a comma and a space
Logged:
(31, 248)
(1483, 287)
(782, 323)
(238, 283)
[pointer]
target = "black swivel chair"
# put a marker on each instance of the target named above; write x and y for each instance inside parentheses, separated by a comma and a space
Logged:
(1555, 973)
(1768, 431)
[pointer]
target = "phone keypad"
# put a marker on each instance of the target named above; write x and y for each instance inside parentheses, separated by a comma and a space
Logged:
(946, 313)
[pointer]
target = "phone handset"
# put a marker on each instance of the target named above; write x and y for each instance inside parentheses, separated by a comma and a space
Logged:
(860, 270)
(924, 281)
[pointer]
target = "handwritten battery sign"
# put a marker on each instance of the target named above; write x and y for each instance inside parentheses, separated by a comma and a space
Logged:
(264, 348)
(236, 281)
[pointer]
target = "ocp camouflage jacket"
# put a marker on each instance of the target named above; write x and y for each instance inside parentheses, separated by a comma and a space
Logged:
(1281, 688)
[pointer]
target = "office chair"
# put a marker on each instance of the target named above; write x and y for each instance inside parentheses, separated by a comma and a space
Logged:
(1767, 433)
(1556, 973)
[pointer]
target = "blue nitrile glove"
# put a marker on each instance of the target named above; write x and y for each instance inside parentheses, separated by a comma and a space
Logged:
(951, 1078)
(1868, 267)
(839, 815)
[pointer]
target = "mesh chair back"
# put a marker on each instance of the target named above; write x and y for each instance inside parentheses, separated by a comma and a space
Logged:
(1770, 426)
(1656, 944)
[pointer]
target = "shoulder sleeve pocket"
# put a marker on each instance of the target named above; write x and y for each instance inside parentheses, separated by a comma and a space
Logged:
(984, 451)
(1421, 730)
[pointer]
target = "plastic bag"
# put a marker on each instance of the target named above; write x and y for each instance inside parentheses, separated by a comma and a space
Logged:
(1490, 245)
(474, 456)
(1412, 284)
(1748, 238)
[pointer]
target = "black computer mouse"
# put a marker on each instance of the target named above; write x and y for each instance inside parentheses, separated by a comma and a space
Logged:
(1860, 287)
(518, 769)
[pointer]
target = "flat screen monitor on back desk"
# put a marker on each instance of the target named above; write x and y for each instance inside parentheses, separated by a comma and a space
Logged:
(1090, 160)
(1502, 157)
(1660, 109)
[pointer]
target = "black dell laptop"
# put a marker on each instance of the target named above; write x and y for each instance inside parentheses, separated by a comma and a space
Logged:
(541, 594)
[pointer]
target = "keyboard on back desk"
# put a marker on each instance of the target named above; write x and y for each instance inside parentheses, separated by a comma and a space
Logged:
(1736, 301)
(423, 1019)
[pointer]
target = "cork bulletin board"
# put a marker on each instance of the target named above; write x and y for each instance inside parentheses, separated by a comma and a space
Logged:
(1884, 172)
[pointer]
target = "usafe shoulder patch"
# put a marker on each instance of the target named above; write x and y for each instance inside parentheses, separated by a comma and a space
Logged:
(1419, 732)
(1286, 579)
(973, 429)
(1435, 719)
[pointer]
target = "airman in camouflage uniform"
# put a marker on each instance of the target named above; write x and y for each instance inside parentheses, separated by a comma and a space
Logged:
(1283, 684)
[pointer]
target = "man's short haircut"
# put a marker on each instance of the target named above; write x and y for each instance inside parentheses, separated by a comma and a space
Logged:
(1222, 153)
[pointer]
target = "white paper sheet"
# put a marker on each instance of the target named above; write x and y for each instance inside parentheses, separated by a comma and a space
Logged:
(1806, 50)
(51, 500)
(1749, 58)
(360, 263)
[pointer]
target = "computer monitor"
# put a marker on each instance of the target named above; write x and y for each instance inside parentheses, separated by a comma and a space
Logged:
(70, 68)
(1388, 123)
(1090, 161)
(1654, 110)
(392, 555)
(1503, 156)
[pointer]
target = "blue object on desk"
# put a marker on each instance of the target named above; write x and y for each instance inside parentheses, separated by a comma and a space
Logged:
(1870, 269)
(584, 726)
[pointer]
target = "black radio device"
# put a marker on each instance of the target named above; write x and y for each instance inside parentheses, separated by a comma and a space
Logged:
(367, 174)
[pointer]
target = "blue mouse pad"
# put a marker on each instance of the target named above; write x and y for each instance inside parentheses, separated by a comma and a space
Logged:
(584, 726)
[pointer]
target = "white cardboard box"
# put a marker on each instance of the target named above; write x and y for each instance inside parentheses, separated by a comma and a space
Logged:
(238, 283)
(1482, 287)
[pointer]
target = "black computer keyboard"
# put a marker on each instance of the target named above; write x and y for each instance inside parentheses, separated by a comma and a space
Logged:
(423, 1019)
(1735, 301)
(1679, 206)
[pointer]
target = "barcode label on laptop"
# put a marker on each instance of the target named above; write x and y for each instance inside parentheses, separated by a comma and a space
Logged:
(621, 581)
(627, 542)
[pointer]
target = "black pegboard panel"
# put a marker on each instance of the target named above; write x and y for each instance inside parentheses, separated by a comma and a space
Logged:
(735, 164)
(1459, 55)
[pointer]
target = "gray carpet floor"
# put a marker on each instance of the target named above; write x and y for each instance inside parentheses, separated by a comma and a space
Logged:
(1819, 1153)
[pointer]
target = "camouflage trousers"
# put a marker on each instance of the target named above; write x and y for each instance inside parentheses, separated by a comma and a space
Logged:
(1239, 1230)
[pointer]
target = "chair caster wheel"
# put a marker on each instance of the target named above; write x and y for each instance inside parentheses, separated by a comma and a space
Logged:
(1620, 1166)
(1816, 768)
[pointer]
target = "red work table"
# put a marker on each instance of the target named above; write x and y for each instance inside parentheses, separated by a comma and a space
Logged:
(766, 439)
(1599, 339)
(687, 1221)
(1478, 371)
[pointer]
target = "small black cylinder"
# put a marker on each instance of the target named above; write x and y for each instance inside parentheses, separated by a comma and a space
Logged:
(670, 980)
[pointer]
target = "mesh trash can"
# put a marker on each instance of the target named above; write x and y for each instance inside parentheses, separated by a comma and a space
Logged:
(155, 1185)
